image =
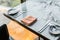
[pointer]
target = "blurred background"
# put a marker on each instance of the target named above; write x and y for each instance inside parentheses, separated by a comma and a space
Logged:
(10, 3)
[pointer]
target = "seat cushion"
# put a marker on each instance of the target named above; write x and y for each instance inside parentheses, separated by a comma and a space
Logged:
(19, 33)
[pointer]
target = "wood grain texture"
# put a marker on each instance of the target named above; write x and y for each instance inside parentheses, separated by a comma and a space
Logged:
(20, 33)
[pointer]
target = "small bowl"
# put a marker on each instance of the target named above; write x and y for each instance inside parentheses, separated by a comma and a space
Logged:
(54, 30)
(12, 12)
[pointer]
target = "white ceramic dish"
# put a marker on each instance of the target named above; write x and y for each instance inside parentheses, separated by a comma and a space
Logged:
(54, 29)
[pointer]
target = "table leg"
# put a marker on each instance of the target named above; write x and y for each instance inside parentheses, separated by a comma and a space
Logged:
(39, 38)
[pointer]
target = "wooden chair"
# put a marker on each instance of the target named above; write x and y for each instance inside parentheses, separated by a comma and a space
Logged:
(19, 33)
(4, 35)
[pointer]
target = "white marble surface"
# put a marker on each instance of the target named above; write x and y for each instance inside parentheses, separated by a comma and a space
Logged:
(54, 7)
(44, 10)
